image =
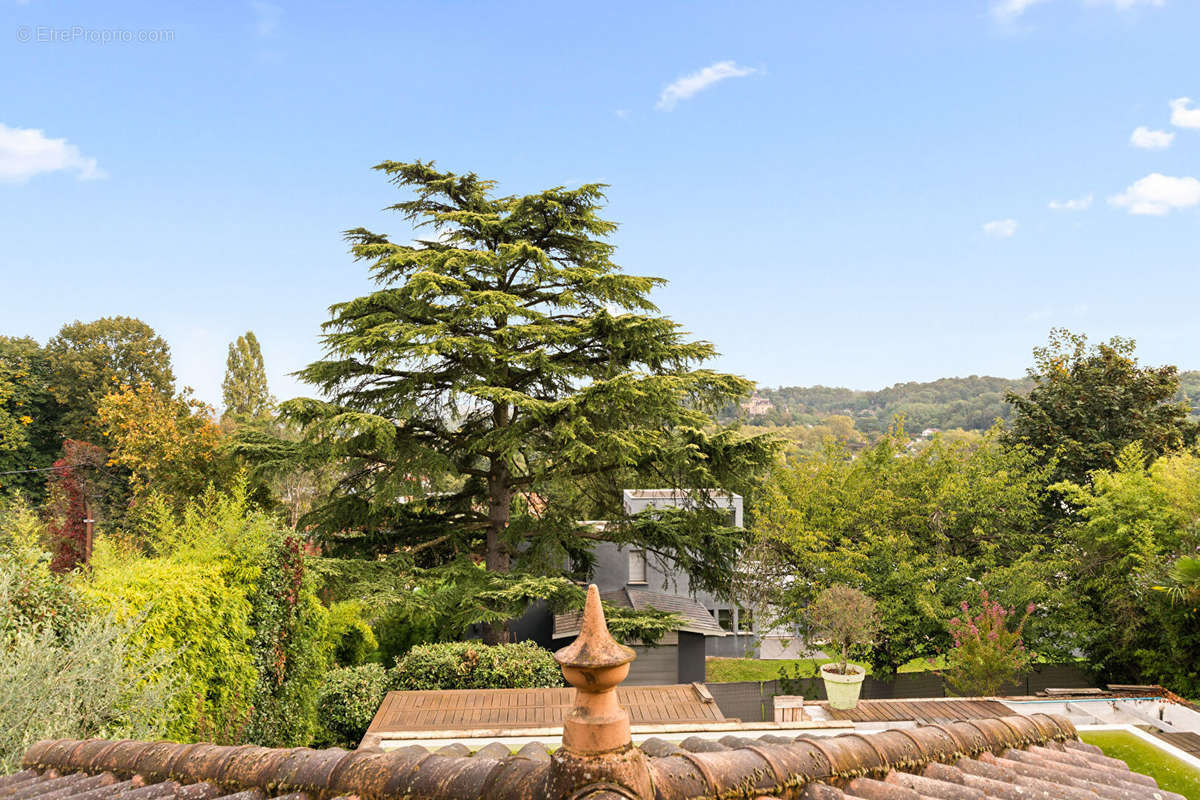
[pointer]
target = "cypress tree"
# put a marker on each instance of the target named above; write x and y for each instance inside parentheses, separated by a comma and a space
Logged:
(245, 386)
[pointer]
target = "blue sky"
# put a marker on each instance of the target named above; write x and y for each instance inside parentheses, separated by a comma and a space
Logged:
(843, 193)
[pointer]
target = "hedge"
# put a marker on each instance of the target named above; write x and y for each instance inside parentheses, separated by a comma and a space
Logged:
(471, 665)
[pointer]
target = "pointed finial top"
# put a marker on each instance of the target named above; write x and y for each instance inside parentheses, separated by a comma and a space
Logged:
(594, 648)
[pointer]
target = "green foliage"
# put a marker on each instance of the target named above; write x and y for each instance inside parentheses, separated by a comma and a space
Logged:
(912, 529)
(1132, 524)
(347, 700)
(78, 686)
(33, 595)
(472, 665)
(245, 389)
(28, 415)
(64, 673)
(193, 617)
(353, 640)
(986, 654)
(1184, 576)
(397, 629)
(505, 381)
(224, 592)
(1088, 403)
(88, 360)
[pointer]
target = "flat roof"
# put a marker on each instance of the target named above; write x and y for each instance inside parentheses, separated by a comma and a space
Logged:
(467, 710)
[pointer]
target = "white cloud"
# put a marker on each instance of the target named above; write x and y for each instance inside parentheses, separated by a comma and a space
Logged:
(623, 113)
(1147, 139)
(1182, 116)
(1078, 204)
(1158, 194)
(25, 152)
(1125, 5)
(698, 81)
(1000, 228)
(267, 17)
(1009, 10)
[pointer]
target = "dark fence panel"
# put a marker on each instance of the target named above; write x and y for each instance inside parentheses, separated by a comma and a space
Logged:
(752, 701)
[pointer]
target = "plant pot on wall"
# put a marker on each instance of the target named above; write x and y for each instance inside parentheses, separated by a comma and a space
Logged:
(843, 689)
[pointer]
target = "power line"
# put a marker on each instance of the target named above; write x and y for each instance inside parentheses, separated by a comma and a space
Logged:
(48, 469)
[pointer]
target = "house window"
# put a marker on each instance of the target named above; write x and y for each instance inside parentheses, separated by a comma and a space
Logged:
(725, 619)
(745, 620)
(637, 566)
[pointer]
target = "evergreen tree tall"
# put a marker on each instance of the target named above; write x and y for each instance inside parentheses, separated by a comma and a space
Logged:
(245, 390)
(504, 382)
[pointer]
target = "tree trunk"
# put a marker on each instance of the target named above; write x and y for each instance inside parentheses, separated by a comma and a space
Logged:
(496, 558)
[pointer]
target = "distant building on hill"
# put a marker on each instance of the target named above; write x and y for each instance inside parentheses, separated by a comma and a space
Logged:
(756, 405)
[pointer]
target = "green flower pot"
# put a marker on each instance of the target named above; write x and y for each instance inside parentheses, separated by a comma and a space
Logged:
(843, 690)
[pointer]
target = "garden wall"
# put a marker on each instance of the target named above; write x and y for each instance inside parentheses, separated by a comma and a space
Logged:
(752, 701)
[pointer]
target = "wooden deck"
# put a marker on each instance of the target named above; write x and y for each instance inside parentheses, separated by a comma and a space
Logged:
(922, 711)
(1185, 740)
(512, 709)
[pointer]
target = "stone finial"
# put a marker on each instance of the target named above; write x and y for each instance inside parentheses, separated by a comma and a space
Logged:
(595, 664)
(597, 757)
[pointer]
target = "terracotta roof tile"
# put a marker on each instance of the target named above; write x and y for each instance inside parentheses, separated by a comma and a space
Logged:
(1010, 757)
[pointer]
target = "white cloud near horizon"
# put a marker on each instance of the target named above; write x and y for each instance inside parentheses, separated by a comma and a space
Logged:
(1158, 194)
(690, 85)
(1147, 139)
(1000, 228)
(1078, 204)
(26, 152)
(1182, 115)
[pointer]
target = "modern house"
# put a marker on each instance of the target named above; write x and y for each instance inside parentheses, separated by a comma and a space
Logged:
(712, 625)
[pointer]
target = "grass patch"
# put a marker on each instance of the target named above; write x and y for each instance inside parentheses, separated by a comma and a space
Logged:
(1172, 774)
(724, 670)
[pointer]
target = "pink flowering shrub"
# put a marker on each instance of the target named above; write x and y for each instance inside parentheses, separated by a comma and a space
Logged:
(986, 653)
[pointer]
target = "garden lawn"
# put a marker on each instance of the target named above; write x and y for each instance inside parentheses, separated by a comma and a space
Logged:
(723, 670)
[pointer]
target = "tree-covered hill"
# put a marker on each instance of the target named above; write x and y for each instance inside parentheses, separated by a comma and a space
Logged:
(971, 403)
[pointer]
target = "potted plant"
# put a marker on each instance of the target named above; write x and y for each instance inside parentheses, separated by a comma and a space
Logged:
(842, 617)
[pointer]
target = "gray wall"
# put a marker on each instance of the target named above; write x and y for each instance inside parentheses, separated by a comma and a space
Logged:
(754, 701)
(691, 657)
(654, 666)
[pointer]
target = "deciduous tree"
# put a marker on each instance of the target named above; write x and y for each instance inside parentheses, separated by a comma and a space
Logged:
(29, 416)
(1088, 403)
(89, 360)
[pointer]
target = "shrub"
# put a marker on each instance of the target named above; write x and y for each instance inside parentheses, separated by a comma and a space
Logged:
(347, 701)
(227, 593)
(845, 618)
(70, 676)
(471, 665)
(191, 614)
(350, 636)
(290, 647)
(397, 632)
(34, 594)
(986, 654)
